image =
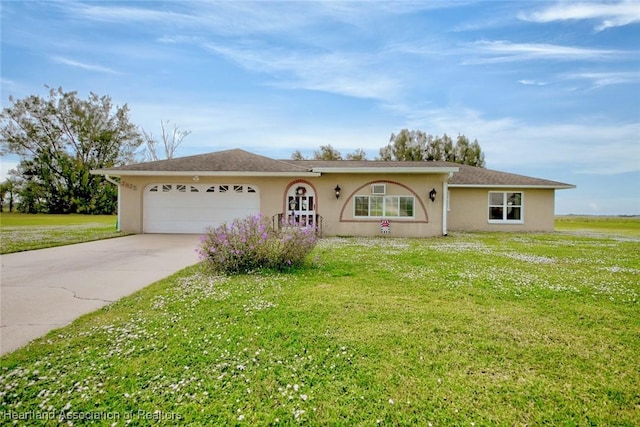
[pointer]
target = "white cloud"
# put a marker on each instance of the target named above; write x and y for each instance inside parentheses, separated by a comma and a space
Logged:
(235, 18)
(532, 83)
(124, 13)
(503, 51)
(602, 79)
(345, 73)
(595, 80)
(609, 15)
(84, 66)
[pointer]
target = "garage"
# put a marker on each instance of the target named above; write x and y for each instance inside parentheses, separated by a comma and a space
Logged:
(192, 208)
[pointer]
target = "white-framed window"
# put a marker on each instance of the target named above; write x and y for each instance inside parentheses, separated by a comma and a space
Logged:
(384, 206)
(506, 207)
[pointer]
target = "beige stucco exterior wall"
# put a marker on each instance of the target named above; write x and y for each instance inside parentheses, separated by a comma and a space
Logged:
(469, 210)
(337, 214)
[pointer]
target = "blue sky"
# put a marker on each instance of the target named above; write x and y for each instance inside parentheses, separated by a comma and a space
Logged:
(549, 89)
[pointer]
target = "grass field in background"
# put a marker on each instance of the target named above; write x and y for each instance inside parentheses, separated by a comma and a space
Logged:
(23, 232)
(599, 224)
(471, 329)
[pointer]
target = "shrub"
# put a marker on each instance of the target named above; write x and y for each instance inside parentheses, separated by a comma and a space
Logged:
(252, 243)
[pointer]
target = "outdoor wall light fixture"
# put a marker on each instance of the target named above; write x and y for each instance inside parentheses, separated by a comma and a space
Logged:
(432, 194)
(337, 190)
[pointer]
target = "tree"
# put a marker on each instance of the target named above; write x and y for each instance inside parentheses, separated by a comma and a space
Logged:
(171, 140)
(416, 145)
(405, 146)
(8, 189)
(3, 191)
(327, 152)
(297, 155)
(60, 139)
(358, 154)
(476, 157)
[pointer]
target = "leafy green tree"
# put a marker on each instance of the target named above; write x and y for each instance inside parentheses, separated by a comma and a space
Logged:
(358, 154)
(327, 152)
(3, 192)
(8, 191)
(405, 146)
(475, 156)
(416, 145)
(60, 139)
(448, 151)
(297, 155)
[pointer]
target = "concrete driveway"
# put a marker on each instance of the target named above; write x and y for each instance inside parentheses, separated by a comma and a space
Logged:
(46, 289)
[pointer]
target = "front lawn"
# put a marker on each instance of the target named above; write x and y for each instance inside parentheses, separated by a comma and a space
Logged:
(25, 232)
(471, 329)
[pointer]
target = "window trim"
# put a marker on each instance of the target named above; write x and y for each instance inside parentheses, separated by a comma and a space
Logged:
(383, 206)
(504, 206)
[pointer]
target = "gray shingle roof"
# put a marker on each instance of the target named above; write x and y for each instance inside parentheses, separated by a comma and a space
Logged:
(471, 176)
(235, 160)
(238, 161)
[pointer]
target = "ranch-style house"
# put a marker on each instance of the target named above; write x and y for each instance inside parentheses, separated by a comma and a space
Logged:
(340, 198)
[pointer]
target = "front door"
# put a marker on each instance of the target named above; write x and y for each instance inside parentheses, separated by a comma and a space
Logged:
(301, 206)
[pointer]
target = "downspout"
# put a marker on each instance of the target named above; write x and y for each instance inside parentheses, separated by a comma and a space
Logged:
(111, 180)
(445, 203)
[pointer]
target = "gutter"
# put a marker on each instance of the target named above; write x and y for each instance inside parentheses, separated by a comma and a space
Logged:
(111, 180)
(516, 186)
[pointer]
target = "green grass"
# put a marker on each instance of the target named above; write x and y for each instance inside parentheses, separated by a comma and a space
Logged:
(24, 232)
(471, 329)
(598, 224)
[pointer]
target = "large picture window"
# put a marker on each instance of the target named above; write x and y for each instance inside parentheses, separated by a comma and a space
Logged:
(384, 206)
(505, 207)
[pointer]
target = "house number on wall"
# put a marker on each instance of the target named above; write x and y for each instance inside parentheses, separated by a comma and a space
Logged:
(128, 185)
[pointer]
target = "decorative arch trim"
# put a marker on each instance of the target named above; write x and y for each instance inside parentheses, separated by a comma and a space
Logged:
(297, 182)
(354, 192)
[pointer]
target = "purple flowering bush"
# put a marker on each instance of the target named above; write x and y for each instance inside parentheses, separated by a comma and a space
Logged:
(251, 243)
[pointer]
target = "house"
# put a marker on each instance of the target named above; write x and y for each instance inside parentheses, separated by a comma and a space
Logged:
(351, 198)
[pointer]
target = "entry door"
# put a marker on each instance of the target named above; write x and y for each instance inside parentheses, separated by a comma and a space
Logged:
(301, 206)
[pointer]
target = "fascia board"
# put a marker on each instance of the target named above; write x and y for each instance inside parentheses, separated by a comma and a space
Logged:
(201, 173)
(404, 170)
(548, 187)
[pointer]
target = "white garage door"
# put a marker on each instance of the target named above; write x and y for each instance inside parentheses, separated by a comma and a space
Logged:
(192, 208)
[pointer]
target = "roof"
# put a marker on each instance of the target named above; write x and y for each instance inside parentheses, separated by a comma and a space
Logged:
(229, 162)
(238, 162)
(471, 176)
